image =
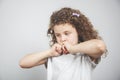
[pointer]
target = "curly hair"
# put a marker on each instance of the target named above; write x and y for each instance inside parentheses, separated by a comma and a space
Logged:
(74, 17)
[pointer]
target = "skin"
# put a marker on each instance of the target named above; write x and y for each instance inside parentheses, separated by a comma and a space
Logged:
(67, 42)
(65, 33)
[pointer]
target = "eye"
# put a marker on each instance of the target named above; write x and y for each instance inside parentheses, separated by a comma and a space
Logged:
(57, 35)
(67, 33)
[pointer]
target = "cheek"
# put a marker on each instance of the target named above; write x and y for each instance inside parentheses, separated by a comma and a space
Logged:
(73, 39)
(58, 40)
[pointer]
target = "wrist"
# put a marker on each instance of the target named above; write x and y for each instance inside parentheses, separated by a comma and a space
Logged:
(49, 53)
(72, 50)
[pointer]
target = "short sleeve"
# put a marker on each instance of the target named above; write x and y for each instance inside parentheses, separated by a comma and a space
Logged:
(94, 63)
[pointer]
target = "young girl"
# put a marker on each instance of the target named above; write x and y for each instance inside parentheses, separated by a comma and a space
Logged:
(76, 47)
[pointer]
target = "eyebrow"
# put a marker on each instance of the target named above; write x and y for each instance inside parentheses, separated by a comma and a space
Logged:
(64, 32)
(56, 33)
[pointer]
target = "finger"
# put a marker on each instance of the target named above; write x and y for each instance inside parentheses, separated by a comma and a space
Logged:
(59, 50)
(65, 51)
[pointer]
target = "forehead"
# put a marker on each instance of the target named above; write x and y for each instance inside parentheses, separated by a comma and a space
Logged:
(63, 27)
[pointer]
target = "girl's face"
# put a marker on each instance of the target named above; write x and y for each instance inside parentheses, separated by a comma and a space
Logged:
(66, 32)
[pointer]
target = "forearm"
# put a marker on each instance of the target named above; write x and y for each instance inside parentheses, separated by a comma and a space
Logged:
(94, 48)
(34, 59)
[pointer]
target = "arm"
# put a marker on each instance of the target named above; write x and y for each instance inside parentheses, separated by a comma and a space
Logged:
(34, 59)
(94, 48)
(39, 58)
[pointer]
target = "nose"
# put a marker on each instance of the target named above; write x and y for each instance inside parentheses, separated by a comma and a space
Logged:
(63, 38)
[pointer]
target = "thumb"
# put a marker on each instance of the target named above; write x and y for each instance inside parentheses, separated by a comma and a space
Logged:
(65, 51)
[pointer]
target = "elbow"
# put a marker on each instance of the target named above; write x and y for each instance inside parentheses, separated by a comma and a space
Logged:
(101, 47)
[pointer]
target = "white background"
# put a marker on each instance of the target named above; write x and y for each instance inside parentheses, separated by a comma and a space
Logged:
(23, 28)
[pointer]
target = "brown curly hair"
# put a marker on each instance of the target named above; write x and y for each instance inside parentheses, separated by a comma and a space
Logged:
(74, 17)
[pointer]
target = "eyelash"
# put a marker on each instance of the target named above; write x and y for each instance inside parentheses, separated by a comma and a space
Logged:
(58, 35)
(66, 33)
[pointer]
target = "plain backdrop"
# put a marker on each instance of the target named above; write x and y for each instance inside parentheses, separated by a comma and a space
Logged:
(23, 28)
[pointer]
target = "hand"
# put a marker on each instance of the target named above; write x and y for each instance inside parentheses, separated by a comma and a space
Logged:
(56, 50)
(67, 47)
(64, 50)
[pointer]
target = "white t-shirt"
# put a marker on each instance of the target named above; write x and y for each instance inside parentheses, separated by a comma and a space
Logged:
(70, 67)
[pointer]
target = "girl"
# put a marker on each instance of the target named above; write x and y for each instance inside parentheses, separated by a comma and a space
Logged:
(76, 47)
